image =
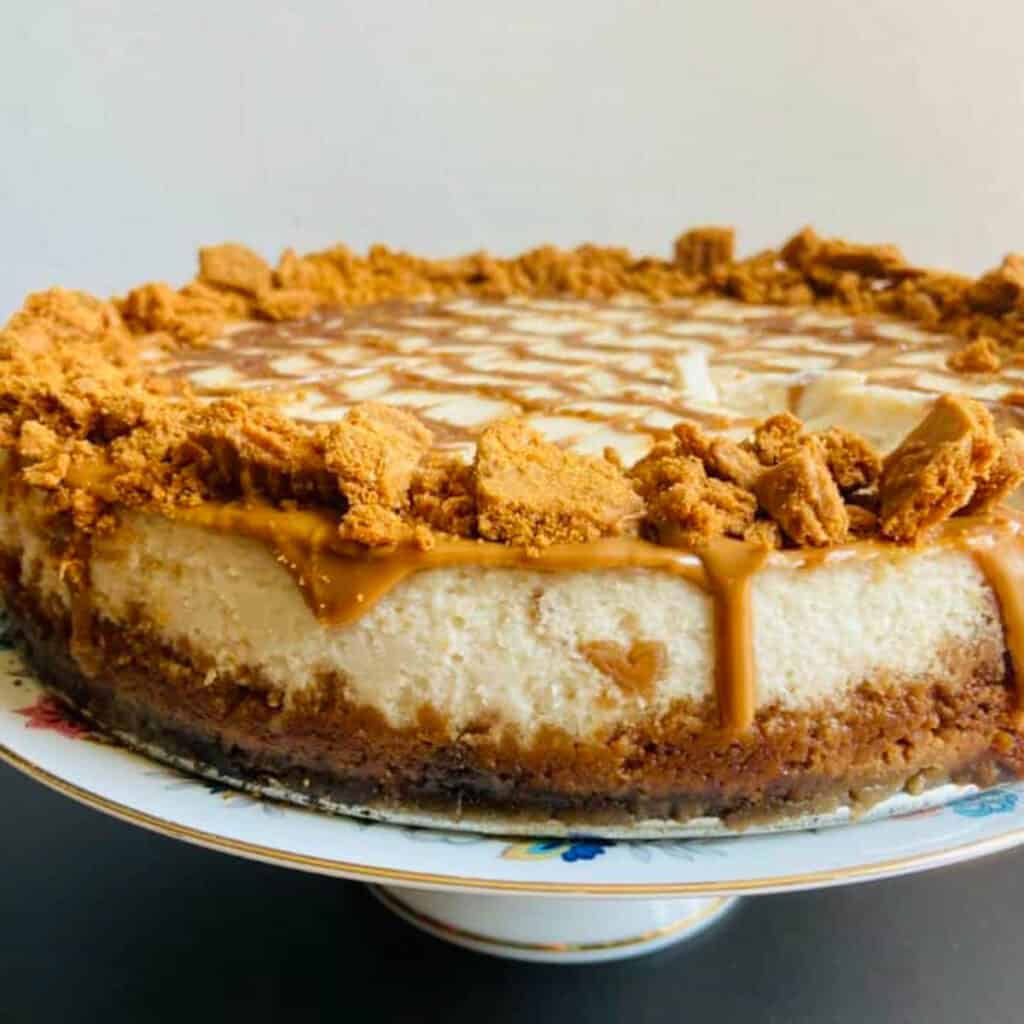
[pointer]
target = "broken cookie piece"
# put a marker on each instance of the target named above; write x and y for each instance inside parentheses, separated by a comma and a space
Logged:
(863, 522)
(721, 457)
(801, 496)
(1000, 290)
(980, 356)
(852, 461)
(686, 507)
(775, 439)
(533, 493)
(764, 533)
(234, 266)
(442, 495)
(1006, 475)
(937, 468)
(701, 250)
(374, 452)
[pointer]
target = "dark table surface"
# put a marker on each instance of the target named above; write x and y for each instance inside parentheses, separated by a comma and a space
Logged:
(101, 921)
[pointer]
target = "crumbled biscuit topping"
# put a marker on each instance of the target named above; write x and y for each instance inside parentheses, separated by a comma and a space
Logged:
(1006, 475)
(685, 506)
(801, 496)
(827, 488)
(91, 427)
(937, 468)
(532, 493)
(979, 356)
(701, 250)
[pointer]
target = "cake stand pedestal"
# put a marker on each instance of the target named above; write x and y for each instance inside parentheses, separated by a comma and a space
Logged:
(553, 930)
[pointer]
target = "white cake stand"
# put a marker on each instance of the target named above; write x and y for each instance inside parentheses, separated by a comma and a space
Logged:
(570, 899)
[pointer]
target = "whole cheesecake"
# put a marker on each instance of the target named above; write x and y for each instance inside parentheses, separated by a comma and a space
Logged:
(571, 540)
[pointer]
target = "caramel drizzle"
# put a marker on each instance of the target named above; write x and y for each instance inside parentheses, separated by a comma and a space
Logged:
(729, 566)
(1001, 560)
(464, 354)
(341, 581)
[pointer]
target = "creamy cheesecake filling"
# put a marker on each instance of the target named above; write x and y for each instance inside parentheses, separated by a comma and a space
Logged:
(515, 647)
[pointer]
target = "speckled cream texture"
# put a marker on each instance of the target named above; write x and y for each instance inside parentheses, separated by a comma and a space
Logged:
(503, 645)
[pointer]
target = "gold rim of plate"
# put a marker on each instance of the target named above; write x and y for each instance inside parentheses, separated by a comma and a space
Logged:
(425, 879)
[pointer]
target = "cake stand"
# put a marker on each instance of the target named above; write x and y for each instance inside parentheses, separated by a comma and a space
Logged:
(568, 899)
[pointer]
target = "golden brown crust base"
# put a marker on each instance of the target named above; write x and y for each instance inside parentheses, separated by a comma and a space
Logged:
(681, 767)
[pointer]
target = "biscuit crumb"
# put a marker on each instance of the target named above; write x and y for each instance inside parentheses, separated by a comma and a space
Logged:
(534, 494)
(37, 442)
(863, 522)
(721, 457)
(1006, 475)
(775, 439)
(935, 470)
(287, 303)
(1001, 290)
(765, 533)
(374, 452)
(852, 461)
(442, 495)
(808, 251)
(701, 250)
(376, 526)
(803, 499)
(980, 356)
(686, 507)
(234, 266)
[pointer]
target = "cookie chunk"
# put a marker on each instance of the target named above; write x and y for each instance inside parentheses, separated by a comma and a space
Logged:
(937, 468)
(533, 493)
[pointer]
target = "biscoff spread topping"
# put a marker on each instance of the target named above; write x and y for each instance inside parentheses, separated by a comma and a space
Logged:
(95, 426)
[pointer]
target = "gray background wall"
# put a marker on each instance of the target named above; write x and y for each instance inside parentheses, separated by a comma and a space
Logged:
(131, 132)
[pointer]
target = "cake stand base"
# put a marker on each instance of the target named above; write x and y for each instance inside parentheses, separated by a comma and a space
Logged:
(551, 930)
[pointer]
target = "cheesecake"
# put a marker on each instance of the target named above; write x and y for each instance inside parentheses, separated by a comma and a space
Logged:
(574, 539)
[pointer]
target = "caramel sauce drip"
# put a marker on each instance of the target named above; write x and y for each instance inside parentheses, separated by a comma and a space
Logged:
(1002, 562)
(730, 566)
(340, 580)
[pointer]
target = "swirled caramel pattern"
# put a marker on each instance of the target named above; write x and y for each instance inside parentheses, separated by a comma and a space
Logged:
(591, 375)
